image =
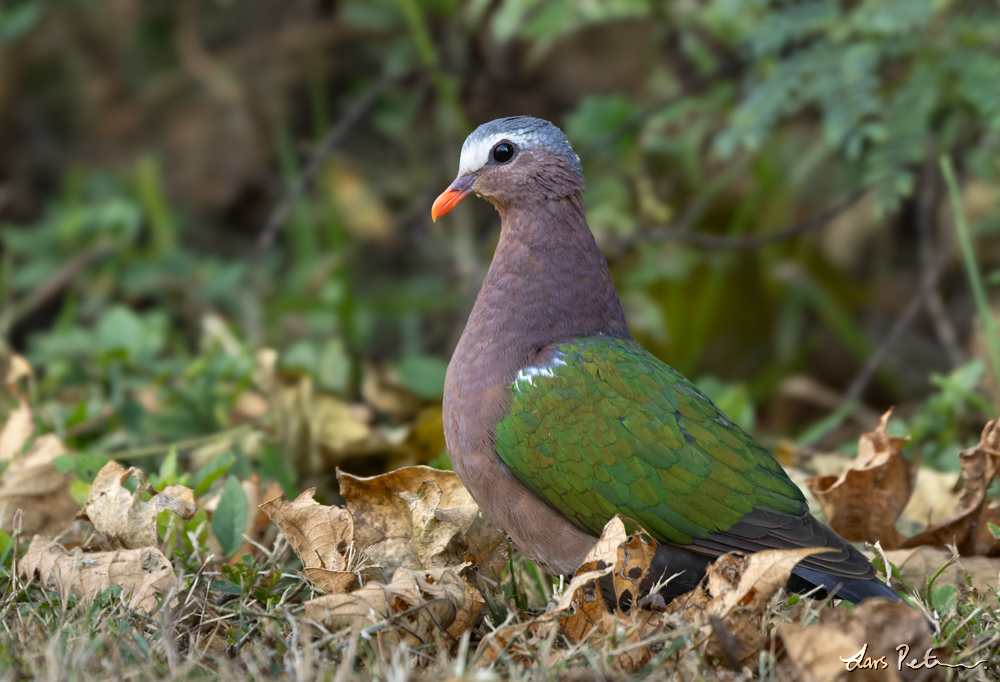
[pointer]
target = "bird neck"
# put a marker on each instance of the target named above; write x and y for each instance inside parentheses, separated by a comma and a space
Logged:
(548, 283)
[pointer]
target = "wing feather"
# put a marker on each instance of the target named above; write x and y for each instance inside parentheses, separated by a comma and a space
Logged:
(608, 428)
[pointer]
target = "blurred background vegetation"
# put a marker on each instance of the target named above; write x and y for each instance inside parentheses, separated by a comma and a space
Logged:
(185, 185)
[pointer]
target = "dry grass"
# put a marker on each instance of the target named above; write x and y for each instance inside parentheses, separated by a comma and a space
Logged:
(203, 630)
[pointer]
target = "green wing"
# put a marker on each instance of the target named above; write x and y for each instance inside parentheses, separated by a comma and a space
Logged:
(609, 429)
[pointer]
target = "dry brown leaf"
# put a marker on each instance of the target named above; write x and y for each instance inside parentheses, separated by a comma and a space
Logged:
(321, 536)
(618, 563)
(933, 500)
(381, 389)
(862, 504)
(336, 427)
(418, 606)
(581, 606)
(122, 517)
(419, 517)
(249, 405)
(584, 609)
(17, 368)
(16, 431)
(631, 577)
(19, 424)
(316, 430)
(967, 527)
(731, 601)
(437, 543)
(728, 607)
(331, 582)
(917, 564)
(426, 439)
(869, 636)
(141, 573)
(32, 483)
(515, 640)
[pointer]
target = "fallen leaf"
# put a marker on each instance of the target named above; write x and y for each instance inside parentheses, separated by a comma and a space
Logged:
(32, 483)
(122, 517)
(381, 388)
(19, 425)
(316, 430)
(331, 582)
(917, 564)
(868, 636)
(17, 368)
(419, 517)
(862, 504)
(426, 438)
(141, 573)
(249, 405)
(729, 605)
(584, 608)
(418, 606)
(517, 641)
(968, 526)
(16, 431)
(321, 536)
(631, 577)
(933, 500)
(580, 612)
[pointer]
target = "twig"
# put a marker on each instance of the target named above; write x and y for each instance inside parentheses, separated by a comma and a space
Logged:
(709, 241)
(928, 284)
(346, 667)
(232, 650)
(14, 313)
(927, 203)
(323, 150)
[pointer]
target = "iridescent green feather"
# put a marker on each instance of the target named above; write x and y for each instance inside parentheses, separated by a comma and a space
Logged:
(609, 429)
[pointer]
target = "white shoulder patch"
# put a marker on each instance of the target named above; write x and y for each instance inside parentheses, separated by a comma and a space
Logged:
(476, 152)
(529, 373)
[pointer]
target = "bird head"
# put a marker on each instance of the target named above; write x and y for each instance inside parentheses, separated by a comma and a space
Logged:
(511, 159)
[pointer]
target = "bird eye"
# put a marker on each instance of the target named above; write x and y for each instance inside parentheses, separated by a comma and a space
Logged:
(503, 152)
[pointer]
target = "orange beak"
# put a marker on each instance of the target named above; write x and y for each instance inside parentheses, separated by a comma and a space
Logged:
(450, 197)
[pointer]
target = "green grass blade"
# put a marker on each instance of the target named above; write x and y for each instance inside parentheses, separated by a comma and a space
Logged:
(975, 277)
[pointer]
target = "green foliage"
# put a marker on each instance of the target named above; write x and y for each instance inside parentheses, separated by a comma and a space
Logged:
(938, 425)
(229, 520)
(834, 57)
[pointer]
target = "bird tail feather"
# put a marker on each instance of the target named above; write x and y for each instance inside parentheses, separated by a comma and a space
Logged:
(851, 589)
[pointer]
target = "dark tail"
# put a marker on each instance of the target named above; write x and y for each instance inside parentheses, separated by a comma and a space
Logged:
(851, 589)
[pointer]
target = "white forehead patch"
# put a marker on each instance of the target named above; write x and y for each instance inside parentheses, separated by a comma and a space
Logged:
(476, 152)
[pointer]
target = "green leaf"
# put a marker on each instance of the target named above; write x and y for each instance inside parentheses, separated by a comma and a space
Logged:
(273, 465)
(87, 466)
(79, 491)
(215, 469)
(229, 520)
(597, 117)
(168, 471)
(423, 376)
(4, 542)
(15, 22)
(226, 587)
(64, 463)
(120, 330)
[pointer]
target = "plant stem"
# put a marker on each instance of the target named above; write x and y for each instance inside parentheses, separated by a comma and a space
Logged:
(186, 444)
(975, 278)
